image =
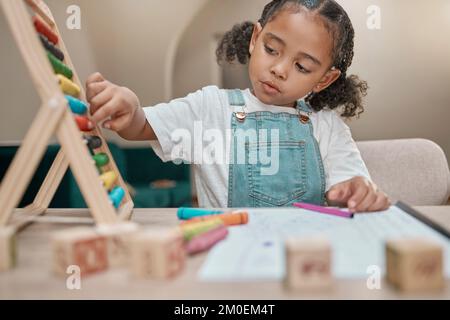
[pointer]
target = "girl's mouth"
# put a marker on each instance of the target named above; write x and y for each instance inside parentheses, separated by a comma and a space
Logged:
(270, 88)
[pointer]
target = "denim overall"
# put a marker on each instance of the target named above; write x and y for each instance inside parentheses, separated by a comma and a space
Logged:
(300, 176)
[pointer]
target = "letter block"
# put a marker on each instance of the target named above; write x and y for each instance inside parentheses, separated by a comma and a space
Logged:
(157, 253)
(414, 264)
(308, 263)
(83, 247)
(118, 239)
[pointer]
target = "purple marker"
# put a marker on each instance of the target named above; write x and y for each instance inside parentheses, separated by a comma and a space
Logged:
(334, 212)
(206, 240)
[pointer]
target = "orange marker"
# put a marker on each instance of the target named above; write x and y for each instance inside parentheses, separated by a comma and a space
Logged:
(229, 219)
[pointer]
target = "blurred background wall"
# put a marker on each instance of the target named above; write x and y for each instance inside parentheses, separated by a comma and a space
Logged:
(165, 49)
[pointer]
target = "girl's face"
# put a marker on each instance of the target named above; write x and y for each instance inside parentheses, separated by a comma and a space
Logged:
(291, 57)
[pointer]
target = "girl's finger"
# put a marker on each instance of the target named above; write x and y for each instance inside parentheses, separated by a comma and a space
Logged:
(340, 192)
(94, 89)
(381, 203)
(95, 77)
(108, 110)
(358, 195)
(99, 100)
(367, 202)
(117, 124)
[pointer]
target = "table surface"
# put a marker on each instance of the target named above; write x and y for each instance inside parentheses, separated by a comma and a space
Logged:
(33, 278)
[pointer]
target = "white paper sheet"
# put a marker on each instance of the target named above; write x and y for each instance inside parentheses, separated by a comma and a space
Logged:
(255, 251)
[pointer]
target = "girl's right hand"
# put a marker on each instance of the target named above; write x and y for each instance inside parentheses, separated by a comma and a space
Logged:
(117, 105)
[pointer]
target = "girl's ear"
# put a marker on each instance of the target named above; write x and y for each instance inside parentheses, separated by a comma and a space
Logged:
(256, 31)
(327, 80)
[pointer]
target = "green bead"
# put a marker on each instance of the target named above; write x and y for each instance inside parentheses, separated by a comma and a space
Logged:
(59, 67)
(101, 159)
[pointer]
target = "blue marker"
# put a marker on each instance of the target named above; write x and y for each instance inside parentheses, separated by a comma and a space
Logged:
(188, 213)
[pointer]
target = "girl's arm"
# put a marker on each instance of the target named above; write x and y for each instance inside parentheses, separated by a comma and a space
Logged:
(349, 182)
(139, 129)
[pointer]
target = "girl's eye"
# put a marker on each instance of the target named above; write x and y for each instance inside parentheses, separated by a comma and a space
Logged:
(301, 68)
(269, 50)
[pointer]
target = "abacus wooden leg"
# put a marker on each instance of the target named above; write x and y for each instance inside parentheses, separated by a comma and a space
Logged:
(28, 157)
(85, 173)
(126, 211)
(45, 194)
(52, 181)
(7, 248)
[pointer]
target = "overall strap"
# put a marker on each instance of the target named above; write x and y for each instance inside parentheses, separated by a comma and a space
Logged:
(303, 106)
(235, 97)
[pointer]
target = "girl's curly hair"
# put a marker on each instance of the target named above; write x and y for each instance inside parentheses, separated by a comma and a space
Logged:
(347, 91)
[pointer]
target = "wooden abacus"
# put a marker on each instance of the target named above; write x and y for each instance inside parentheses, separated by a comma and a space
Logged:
(45, 54)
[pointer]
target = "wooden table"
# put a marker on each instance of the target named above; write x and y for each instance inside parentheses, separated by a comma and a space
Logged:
(33, 279)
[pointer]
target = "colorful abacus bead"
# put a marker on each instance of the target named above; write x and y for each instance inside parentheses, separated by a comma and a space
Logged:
(43, 28)
(77, 106)
(50, 47)
(83, 123)
(93, 142)
(101, 159)
(108, 179)
(116, 196)
(67, 86)
(59, 67)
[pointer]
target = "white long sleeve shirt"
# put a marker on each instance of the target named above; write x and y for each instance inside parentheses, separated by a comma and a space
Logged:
(199, 117)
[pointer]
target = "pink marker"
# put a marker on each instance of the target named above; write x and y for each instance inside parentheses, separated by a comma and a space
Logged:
(335, 212)
(206, 240)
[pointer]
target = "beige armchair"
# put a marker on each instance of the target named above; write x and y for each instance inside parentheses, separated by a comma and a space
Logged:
(415, 171)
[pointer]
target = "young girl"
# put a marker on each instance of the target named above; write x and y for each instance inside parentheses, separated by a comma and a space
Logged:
(298, 55)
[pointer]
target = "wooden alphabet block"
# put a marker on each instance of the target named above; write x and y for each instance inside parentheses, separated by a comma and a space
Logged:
(118, 238)
(82, 247)
(7, 248)
(157, 253)
(308, 263)
(414, 264)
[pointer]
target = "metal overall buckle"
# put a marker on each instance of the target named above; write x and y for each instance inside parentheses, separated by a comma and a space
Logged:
(304, 116)
(241, 116)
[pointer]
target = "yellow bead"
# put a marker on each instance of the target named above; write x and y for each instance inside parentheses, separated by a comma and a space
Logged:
(68, 87)
(109, 179)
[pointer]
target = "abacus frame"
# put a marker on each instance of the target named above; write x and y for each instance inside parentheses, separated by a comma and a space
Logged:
(54, 117)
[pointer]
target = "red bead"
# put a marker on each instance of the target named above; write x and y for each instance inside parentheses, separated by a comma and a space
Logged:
(83, 123)
(45, 30)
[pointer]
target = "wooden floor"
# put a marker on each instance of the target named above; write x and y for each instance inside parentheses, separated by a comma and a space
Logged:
(33, 279)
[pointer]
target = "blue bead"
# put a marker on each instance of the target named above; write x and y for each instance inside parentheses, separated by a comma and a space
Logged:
(77, 106)
(116, 196)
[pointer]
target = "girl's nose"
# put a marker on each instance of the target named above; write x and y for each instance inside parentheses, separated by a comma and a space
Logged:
(280, 70)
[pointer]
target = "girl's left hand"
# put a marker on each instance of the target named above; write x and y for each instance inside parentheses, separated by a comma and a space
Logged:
(360, 195)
